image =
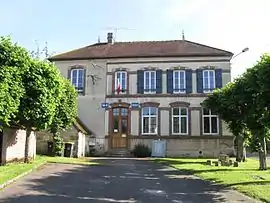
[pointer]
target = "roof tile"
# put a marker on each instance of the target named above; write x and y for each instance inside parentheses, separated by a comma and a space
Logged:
(172, 48)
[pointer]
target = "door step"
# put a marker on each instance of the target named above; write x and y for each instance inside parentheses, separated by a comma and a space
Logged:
(119, 153)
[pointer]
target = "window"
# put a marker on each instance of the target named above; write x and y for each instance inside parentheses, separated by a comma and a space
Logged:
(208, 81)
(150, 82)
(121, 81)
(149, 120)
(179, 81)
(210, 122)
(179, 120)
(77, 79)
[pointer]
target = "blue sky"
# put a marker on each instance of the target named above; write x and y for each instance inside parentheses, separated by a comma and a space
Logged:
(65, 25)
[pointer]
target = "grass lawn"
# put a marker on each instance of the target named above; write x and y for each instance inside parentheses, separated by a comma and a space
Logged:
(246, 178)
(12, 170)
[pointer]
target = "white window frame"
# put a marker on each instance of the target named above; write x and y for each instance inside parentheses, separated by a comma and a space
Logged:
(206, 87)
(179, 83)
(123, 74)
(149, 123)
(149, 82)
(210, 123)
(179, 116)
(76, 83)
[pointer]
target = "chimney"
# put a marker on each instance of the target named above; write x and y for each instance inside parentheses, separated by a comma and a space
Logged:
(110, 37)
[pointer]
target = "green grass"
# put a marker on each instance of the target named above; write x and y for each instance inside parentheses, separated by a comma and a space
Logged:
(12, 170)
(246, 178)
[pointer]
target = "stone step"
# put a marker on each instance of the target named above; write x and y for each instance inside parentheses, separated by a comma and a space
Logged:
(119, 152)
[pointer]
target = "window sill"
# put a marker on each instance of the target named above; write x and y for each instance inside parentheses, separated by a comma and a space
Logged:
(180, 93)
(210, 133)
(149, 134)
(175, 134)
(149, 92)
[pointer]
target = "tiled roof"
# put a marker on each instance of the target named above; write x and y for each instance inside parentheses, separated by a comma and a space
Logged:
(142, 49)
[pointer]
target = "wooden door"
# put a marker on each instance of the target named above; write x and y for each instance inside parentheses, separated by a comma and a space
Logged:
(119, 127)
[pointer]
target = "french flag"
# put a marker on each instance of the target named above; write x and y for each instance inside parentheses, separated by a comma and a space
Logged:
(118, 88)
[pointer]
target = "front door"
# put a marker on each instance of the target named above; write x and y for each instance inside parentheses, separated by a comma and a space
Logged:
(119, 127)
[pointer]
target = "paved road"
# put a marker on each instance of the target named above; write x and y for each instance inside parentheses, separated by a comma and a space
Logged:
(122, 181)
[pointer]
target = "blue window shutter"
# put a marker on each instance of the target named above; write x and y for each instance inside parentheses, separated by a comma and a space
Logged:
(159, 81)
(84, 81)
(140, 81)
(218, 76)
(69, 74)
(170, 81)
(188, 81)
(199, 80)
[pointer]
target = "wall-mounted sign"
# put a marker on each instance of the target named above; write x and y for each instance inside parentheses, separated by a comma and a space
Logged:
(135, 105)
(104, 105)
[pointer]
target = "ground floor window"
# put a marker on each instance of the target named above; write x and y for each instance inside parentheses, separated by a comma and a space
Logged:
(179, 120)
(149, 120)
(210, 122)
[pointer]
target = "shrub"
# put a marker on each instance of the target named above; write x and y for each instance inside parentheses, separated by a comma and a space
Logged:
(141, 150)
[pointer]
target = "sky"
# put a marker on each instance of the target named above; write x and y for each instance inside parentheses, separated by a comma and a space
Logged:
(231, 25)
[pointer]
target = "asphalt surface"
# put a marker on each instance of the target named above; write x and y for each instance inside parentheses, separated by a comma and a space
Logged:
(118, 180)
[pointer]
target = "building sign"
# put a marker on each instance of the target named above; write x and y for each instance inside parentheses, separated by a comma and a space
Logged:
(104, 105)
(135, 105)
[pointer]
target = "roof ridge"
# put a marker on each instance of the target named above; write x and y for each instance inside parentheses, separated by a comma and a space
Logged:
(148, 41)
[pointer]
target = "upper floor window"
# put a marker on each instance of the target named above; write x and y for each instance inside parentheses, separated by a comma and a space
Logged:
(210, 122)
(149, 120)
(208, 81)
(77, 79)
(179, 120)
(121, 82)
(150, 82)
(179, 81)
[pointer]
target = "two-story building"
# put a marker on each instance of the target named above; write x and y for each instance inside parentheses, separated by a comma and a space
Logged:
(162, 85)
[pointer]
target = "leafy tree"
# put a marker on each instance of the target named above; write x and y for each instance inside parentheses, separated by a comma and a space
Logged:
(224, 103)
(12, 59)
(43, 88)
(65, 115)
(250, 96)
(256, 100)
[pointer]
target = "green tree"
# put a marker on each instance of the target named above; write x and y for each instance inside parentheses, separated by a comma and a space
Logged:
(225, 104)
(43, 88)
(256, 100)
(65, 115)
(13, 58)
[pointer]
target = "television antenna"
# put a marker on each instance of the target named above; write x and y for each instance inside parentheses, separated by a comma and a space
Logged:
(115, 29)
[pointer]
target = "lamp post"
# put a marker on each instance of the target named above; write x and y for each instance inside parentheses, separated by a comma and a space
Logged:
(243, 51)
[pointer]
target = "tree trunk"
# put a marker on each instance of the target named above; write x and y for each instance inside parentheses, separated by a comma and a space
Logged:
(262, 155)
(26, 150)
(241, 151)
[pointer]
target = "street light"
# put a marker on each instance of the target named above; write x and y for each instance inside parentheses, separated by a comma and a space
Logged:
(243, 51)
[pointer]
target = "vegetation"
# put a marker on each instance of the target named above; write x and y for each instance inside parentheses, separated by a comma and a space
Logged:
(141, 150)
(34, 96)
(12, 59)
(12, 170)
(245, 178)
(65, 115)
(244, 105)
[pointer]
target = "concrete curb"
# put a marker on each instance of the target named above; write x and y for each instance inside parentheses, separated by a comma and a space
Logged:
(2, 186)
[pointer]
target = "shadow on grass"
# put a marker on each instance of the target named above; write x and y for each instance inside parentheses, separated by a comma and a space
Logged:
(126, 181)
(177, 163)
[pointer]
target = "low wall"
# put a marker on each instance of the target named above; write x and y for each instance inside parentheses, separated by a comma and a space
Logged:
(191, 146)
(71, 135)
(13, 146)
